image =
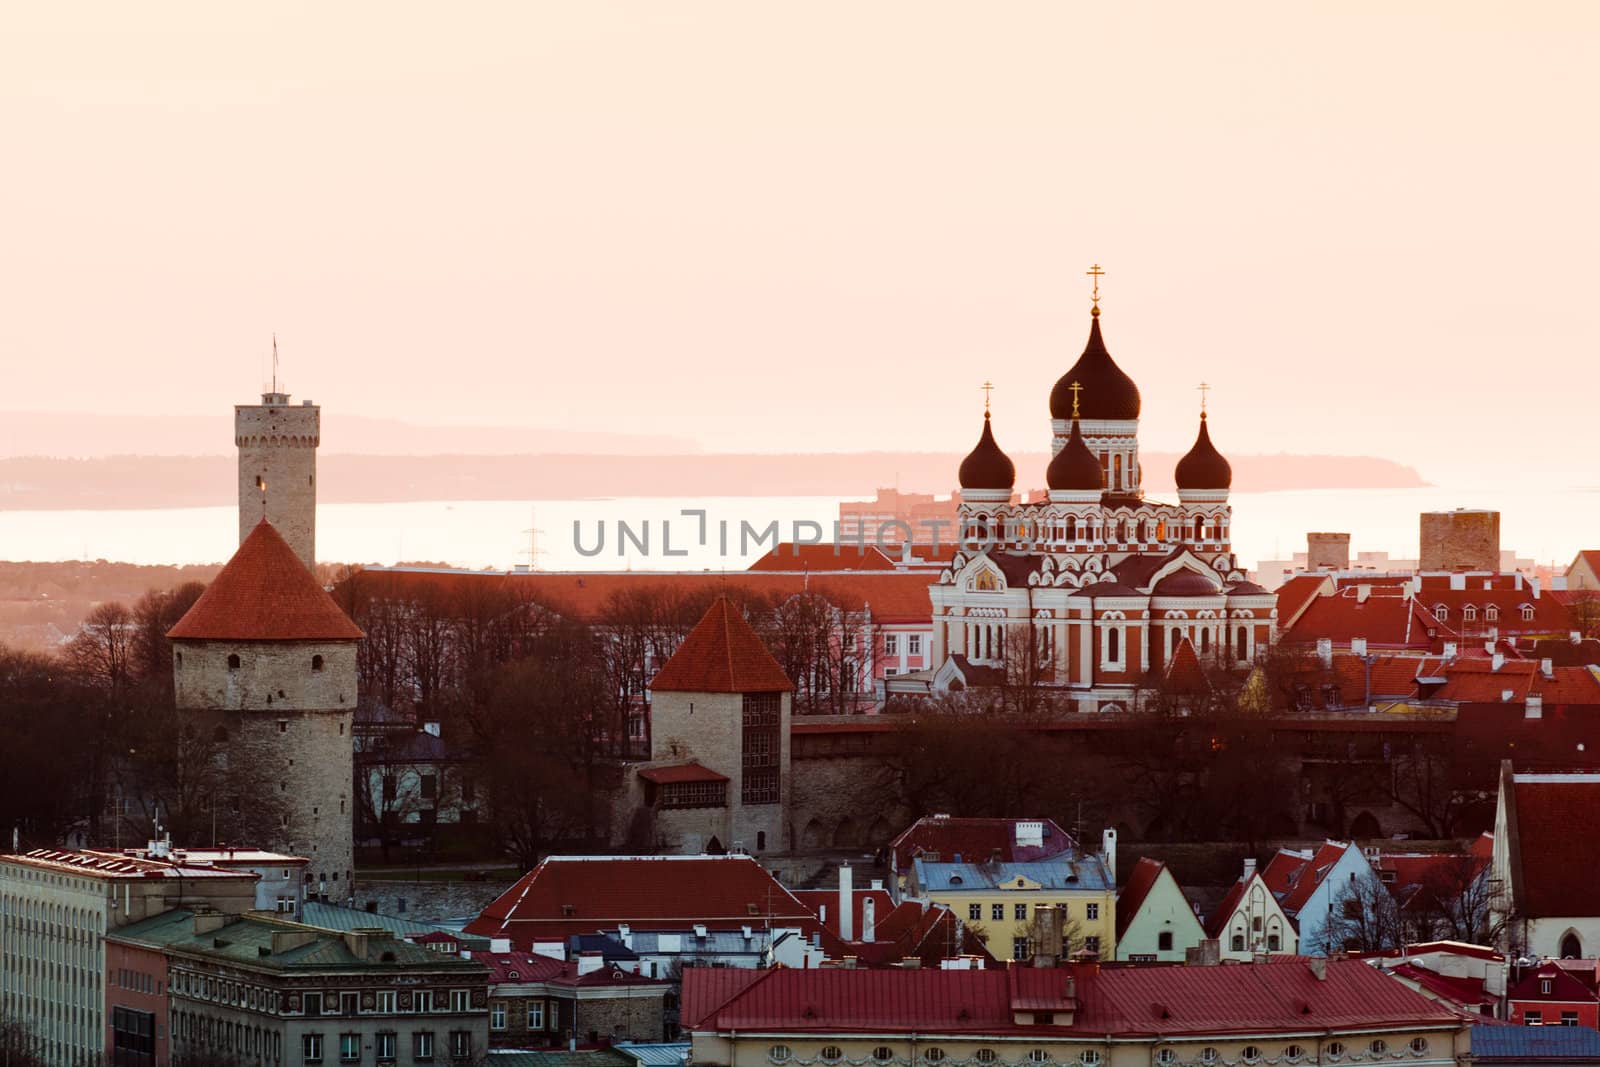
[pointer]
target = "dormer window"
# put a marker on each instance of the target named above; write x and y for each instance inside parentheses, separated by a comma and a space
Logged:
(1544, 987)
(1469, 613)
(1527, 613)
(1491, 613)
(1441, 612)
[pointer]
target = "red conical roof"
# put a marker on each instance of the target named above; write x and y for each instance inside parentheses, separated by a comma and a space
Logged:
(1184, 674)
(265, 594)
(722, 655)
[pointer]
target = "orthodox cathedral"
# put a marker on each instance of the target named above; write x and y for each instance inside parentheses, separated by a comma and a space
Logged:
(1095, 589)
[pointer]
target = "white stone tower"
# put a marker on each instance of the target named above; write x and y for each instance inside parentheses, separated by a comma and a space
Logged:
(277, 446)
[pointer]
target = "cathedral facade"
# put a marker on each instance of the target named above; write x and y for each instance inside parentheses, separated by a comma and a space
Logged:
(1094, 589)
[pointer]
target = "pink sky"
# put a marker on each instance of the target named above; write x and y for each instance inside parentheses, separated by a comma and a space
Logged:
(815, 225)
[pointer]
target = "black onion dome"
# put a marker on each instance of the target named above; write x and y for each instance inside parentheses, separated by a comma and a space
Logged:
(1107, 392)
(1203, 466)
(1075, 467)
(986, 467)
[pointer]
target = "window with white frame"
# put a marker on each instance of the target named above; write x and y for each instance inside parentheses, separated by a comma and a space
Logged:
(497, 1015)
(891, 644)
(914, 644)
(535, 1015)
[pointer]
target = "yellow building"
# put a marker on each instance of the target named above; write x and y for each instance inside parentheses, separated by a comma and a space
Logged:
(1001, 900)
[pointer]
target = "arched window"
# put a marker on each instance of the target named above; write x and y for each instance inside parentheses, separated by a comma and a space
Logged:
(1072, 528)
(233, 661)
(1122, 531)
(316, 663)
(1161, 530)
(1571, 947)
(1144, 528)
(1116, 472)
(1199, 528)
(779, 1053)
(1113, 644)
(1244, 643)
(1205, 639)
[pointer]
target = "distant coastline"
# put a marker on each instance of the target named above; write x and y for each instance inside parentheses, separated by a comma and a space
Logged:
(47, 483)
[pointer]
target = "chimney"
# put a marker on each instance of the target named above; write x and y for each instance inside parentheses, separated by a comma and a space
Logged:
(1319, 968)
(1534, 708)
(847, 909)
(1358, 645)
(625, 935)
(1449, 650)
(1363, 591)
(206, 922)
(1498, 660)
(589, 962)
(1208, 953)
(1547, 667)
(1325, 651)
(1108, 849)
(869, 909)
(1249, 867)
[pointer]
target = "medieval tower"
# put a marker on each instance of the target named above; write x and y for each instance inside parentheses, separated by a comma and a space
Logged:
(278, 469)
(266, 660)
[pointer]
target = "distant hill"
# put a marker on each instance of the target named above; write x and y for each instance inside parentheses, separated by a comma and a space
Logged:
(197, 481)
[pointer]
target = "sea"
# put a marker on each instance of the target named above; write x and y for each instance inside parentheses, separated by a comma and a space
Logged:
(1547, 523)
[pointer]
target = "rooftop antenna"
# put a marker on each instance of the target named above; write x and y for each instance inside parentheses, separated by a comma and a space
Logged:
(274, 361)
(534, 551)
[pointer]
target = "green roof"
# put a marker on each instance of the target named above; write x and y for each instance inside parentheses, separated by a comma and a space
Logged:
(248, 940)
(584, 1057)
(340, 918)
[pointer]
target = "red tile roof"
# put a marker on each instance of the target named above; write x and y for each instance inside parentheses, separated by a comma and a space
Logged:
(1183, 671)
(1386, 617)
(1478, 681)
(975, 840)
(1143, 879)
(789, 556)
(892, 596)
(1164, 1001)
(568, 895)
(1555, 863)
(680, 772)
(265, 594)
(1295, 595)
(1217, 921)
(722, 654)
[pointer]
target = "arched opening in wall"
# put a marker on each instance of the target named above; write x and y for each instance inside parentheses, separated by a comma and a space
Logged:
(233, 661)
(1122, 531)
(1113, 644)
(1199, 529)
(1205, 639)
(1072, 528)
(1366, 826)
(812, 836)
(880, 833)
(1571, 946)
(761, 840)
(1161, 530)
(316, 663)
(848, 834)
(1144, 529)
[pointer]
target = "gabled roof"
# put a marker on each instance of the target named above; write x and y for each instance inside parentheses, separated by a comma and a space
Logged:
(1217, 921)
(1292, 878)
(1143, 1001)
(528, 968)
(1296, 594)
(1183, 671)
(568, 895)
(722, 654)
(265, 594)
(1564, 986)
(1552, 859)
(1386, 616)
(1076, 870)
(1146, 873)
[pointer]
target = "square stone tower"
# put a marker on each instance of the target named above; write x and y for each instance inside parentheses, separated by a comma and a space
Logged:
(266, 662)
(1467, 539)
(277, 446)
(723, 702)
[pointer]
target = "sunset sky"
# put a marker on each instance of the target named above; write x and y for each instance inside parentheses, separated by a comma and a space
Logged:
(823, 225)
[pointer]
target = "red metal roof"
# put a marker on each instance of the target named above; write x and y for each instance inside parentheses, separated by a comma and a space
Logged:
(1295, 595)
(680, 772)
(567, 895)
(1469, 992)
(1565, 987)
(525, 968)
(265, 594)
(790, 556)
(1557, 862)
(1176, 1001)
(722, 654)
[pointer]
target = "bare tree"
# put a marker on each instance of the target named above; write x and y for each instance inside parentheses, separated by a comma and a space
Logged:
(1424, 781)
(1458, 902)
(1362, 917)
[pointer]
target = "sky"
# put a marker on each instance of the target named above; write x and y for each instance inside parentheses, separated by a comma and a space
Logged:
(775, 227)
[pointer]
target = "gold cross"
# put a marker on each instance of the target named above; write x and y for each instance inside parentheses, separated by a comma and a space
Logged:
(1096, 273)
(987, 388)
(1204, 388)
(1076, 389)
